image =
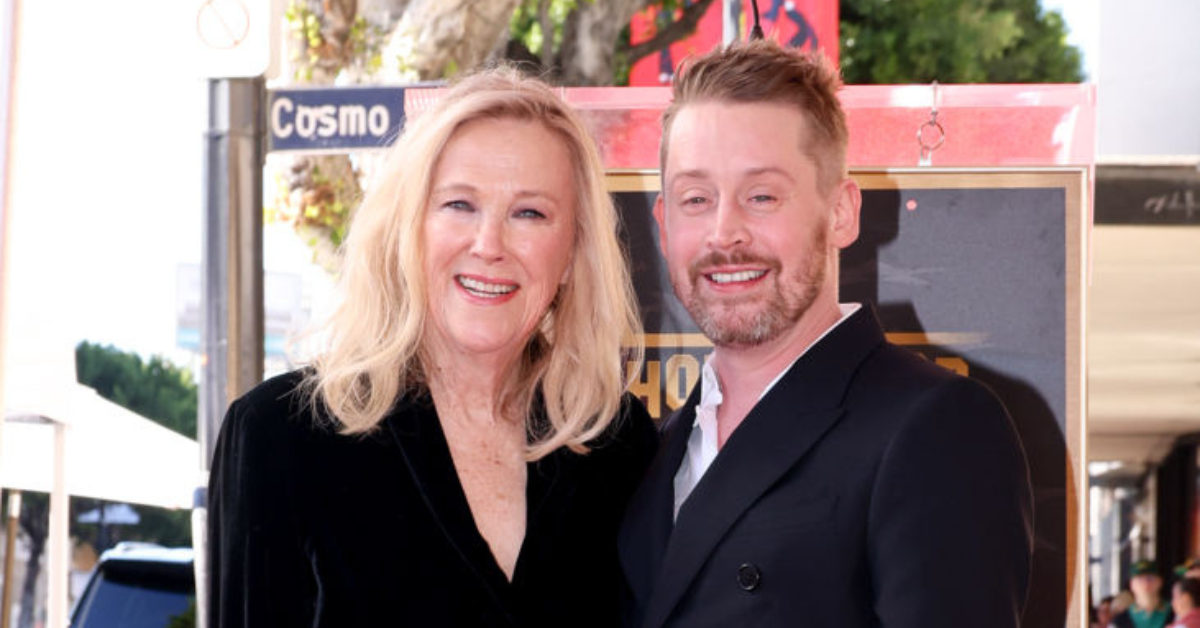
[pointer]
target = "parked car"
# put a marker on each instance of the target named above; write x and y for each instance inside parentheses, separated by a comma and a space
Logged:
(139, 585)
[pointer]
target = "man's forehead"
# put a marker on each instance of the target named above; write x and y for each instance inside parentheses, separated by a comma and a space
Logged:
(765, 122)
(747, 139)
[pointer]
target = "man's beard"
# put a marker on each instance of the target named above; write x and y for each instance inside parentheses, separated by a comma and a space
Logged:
(751, 323)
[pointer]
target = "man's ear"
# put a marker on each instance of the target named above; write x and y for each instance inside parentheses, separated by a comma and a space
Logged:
(847, 203)
(661, 219)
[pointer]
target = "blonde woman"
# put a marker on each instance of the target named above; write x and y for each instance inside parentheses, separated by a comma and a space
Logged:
(462, 452)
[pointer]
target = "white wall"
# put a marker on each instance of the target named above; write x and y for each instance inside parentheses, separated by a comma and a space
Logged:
(1149, 78)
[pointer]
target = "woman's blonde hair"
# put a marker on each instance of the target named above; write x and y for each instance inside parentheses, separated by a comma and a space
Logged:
(576, 359)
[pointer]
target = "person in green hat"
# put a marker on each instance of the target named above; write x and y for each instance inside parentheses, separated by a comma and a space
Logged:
(1148, 610)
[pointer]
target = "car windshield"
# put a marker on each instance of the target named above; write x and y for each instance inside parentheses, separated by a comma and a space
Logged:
(121, 598)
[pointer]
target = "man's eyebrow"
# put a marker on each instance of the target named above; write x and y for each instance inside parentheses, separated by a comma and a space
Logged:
(768, 170)
(695, 173)
(700, 173)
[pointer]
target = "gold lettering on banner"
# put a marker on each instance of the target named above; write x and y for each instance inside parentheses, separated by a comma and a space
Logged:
(685, 367)
(673, 362)
(958, 365)
(647, 385)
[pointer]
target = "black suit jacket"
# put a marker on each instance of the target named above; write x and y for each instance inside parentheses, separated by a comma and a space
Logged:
(869, 487)
(311, 528)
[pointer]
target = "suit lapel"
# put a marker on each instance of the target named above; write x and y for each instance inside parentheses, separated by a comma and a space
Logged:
(650, 516)
(803, 406)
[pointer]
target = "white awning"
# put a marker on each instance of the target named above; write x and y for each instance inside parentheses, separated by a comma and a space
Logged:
(111, 453)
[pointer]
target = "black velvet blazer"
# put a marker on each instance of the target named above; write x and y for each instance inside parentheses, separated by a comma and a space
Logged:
(311, 528)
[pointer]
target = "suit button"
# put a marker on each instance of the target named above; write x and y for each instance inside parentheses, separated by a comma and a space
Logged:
(749, 577)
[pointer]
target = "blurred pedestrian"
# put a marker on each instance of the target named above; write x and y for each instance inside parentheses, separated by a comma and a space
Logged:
(1148, 610)
(1185, 600)
(1103, 613)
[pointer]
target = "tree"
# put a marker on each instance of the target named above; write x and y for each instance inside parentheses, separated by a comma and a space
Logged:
(155, 389)
(587, 42)
(955, 41)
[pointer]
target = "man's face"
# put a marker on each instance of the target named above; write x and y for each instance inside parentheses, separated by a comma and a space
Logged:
(748, 235)
(1145, 584)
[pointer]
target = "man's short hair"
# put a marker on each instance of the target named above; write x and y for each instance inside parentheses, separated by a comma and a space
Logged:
(763, 71)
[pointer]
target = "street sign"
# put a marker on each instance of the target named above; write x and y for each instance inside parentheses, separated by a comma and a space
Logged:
(334, 119)
(237, 38)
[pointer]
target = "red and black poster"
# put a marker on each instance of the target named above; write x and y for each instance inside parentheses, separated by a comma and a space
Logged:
(804, 24)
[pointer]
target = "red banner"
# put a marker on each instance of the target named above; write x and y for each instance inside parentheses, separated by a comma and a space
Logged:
(806, 24)
(657, 68)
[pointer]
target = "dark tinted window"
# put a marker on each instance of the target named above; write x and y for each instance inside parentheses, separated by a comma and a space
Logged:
(138, 596)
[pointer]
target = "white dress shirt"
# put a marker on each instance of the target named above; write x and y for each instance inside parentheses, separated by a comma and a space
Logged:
(702, 442)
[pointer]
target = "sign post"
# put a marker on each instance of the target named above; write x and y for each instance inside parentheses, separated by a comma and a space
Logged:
(237, 45)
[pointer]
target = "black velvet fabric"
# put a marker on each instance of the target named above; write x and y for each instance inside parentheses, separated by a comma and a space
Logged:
(311, 528)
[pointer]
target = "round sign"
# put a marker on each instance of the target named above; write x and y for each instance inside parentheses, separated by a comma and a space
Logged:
(223, 24)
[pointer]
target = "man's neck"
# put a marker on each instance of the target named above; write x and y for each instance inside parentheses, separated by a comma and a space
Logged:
(743, 372)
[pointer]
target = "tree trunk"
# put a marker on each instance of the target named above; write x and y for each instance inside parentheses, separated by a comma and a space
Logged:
(590, 39)
(454, 35)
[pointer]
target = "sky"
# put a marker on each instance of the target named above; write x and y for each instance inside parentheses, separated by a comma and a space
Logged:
(1083, 24)
(106, 176)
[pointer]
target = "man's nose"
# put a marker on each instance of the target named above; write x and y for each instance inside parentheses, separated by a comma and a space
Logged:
(729, 229)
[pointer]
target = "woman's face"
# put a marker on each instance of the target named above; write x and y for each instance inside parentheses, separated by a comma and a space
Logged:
(1181, 603)
(499, 230)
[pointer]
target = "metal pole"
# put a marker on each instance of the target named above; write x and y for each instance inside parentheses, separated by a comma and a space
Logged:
(58, 540)
(231, 276)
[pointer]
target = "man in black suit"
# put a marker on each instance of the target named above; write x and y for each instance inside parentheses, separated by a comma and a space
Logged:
(818, 475)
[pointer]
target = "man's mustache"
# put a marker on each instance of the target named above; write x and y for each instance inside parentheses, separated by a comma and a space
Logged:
(719, 258)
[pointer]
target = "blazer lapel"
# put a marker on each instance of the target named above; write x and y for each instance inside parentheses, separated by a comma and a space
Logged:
(802, 407)
(649, 518)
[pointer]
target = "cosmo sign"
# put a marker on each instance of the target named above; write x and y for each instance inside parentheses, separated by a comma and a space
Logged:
(329, 120)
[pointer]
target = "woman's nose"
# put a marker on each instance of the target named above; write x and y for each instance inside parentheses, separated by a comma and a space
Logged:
(489, 240)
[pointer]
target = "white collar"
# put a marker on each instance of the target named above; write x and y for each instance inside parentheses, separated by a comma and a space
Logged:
(710, 385)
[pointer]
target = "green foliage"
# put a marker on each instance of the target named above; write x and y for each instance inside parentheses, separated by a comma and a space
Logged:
(622, 66)
(186, 619)
(360, 49)
(525, 25)
(955, 41)
(155, 389)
